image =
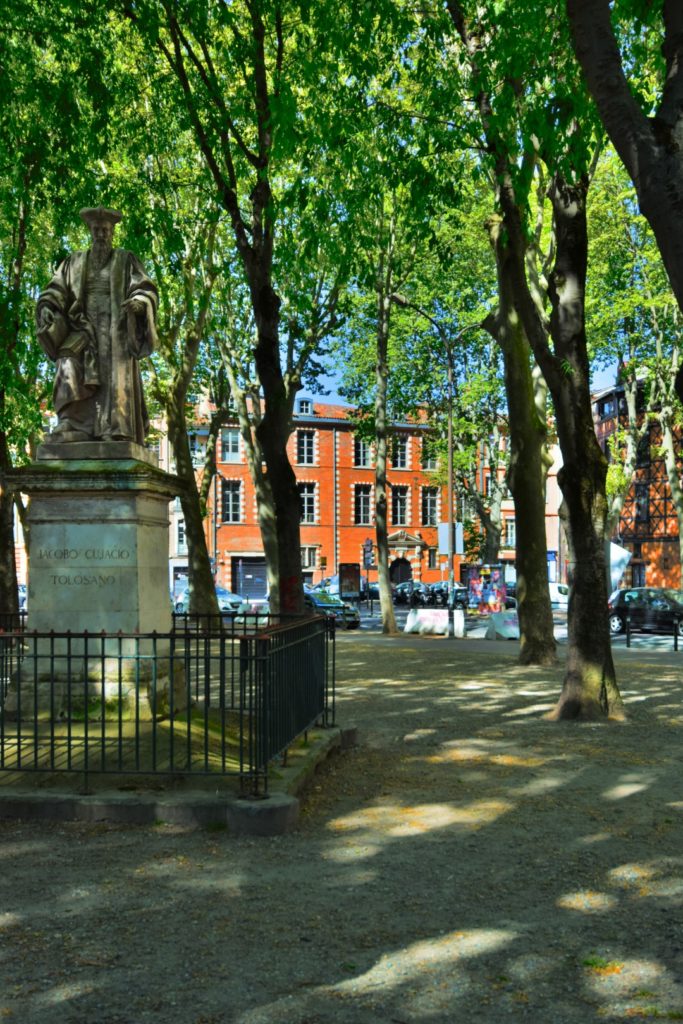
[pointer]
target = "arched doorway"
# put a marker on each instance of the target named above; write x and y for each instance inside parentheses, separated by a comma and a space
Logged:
(400, 571)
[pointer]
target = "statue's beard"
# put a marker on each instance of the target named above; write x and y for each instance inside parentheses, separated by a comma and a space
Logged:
(100, 253)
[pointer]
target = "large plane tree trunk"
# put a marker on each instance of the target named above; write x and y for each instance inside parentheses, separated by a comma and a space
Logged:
(590, 688)
(528, 467)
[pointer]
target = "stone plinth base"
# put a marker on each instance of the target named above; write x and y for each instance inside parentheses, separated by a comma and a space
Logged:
(98, 563)
(98, 544)
(95, 688)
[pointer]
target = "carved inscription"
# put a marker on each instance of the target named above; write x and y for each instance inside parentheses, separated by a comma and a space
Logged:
(89, 554)
(84, 578)
(78, 579)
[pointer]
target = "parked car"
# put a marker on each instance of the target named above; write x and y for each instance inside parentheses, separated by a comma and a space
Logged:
(439, 592)
(650, 609)
(412, 592)
(343, 612)
(227, 601)
(328, 585)
(559, 595)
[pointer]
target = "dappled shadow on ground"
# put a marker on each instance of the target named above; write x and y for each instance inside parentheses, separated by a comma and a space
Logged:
(468, 861)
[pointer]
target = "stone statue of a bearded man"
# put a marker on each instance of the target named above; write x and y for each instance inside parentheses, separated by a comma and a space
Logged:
(96, 319)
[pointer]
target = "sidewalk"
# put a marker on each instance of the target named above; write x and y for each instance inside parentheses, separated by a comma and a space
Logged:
(468, 861)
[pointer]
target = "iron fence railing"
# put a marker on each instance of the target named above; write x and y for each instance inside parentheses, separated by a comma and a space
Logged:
(213, 696)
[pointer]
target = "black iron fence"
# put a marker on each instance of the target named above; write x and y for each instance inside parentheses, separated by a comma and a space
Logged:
(213, 696)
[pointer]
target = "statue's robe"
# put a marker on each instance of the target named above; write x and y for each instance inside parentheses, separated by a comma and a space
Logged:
(96, 343)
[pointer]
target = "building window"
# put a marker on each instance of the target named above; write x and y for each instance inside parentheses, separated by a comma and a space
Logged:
(431, 558)
(428, 454)
(305, 406)
(642, 503)
(638, 575)
(643, 451)
(399, 506)
(430, 496)
(305, 447)
(510, 534)
(180, 536)
(399, 453)
(230, 445)
(307, 499)
(361, 453)
(308, 557)
(362, 513)
(232, 493)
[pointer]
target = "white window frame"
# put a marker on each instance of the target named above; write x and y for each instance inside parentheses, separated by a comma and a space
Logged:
(399, 493)
(234, 487)
(309, 556)
(433, 494)
(305, 447)
(399, 451)
(362, 447)
(307, 497)
(364, 490)
(228, 452)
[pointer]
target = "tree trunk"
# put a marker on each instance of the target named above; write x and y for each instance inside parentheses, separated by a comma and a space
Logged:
(381, 503)
(492, 535)
(273, 433)
(649, 147)
(381, 434)
(8, 568)
(590, 689)
(528, 467)
(202, 588)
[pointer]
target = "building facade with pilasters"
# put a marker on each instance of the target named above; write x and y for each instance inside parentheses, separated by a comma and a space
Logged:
(335, 471)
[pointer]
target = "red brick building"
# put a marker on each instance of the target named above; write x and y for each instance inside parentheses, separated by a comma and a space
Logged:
(335, 473)
(648, 526)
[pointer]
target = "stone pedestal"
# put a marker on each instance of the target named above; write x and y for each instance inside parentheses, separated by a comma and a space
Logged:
(98, 562)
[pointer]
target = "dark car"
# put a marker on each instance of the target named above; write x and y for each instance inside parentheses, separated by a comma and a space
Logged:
(650, 609)
(412, 592)
(440, 594)
(369, 590)
(343, 612)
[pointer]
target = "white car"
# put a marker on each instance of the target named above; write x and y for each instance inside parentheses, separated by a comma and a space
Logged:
(559, 595)
(227, 602)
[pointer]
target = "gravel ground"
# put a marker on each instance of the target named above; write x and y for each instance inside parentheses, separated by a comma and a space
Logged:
(468, 861)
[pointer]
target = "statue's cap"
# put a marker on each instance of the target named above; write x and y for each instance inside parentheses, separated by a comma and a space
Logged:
(97, 214)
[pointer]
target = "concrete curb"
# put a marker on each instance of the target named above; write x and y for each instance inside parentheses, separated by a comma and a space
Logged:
(273, 815)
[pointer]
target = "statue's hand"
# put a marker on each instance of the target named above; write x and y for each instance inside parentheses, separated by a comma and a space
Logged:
(134, 306)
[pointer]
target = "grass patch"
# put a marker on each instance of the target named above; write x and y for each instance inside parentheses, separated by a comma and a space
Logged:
(599, 965)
